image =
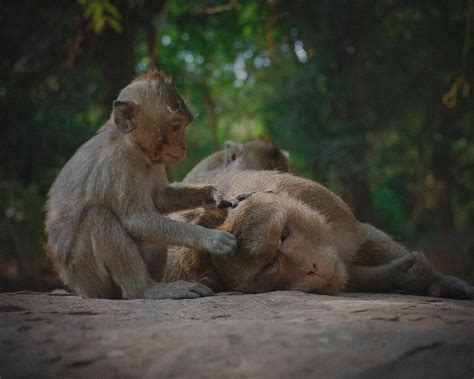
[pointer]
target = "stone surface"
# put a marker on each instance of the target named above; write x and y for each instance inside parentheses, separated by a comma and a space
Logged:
(277, 334)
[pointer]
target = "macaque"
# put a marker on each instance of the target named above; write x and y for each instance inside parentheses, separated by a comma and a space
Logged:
(107, 234)
(258, 154)
(294, 234)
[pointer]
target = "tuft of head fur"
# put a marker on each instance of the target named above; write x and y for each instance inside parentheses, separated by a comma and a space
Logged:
(154, 75)
(157, 96)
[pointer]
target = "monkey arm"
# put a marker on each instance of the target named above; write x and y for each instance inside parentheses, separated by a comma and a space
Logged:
(177, 197)
(155, 228)
(410, 273)
(370, 278)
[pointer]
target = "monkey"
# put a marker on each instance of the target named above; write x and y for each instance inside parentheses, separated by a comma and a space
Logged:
(105, 222)
(258, 154)
(295, 234)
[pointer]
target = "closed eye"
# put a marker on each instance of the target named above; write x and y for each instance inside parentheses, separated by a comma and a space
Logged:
(272, 266)
(284, 234)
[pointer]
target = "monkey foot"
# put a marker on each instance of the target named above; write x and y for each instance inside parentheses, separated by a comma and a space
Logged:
(450, 287)
(177, 290)
(411, 272)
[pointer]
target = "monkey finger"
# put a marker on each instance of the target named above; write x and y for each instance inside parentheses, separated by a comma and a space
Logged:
(244, 196)
(239, 198)
(234, 202)
(421, 268)
(202, 290)
(230, 240)
(189, 294)
(221, 243)
(227, 247)
(225, 203)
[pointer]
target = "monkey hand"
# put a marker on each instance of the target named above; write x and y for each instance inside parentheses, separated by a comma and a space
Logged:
(235, 201)
(411, 272)
(220, 243)
(450, 287)
(176, 290)
(216, 197)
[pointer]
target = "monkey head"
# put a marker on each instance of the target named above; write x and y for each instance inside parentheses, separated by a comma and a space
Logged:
(282, 245)
(152, 115)
(258, 154)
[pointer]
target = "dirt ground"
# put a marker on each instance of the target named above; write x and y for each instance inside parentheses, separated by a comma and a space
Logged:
(277, 334)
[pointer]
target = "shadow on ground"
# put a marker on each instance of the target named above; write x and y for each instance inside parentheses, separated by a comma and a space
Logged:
(284, 334)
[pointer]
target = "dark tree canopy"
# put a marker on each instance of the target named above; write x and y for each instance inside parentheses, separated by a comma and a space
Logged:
(370, 97)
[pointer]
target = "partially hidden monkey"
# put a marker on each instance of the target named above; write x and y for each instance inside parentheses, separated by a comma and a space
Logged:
(258, 154)
(295, 234)
(106, 231)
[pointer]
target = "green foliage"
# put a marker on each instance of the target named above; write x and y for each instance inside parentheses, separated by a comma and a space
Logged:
(102, 13)
(391, 213)
(23, 207)
(351, 90)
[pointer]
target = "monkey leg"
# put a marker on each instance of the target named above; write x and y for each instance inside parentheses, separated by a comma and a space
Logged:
(107, 263)
(155, 258)
(449, 286)
(378, 248)
(410, 273)
(381, 264)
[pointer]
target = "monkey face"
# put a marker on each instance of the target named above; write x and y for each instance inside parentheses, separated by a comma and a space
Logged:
(161, 135)
(259, 154)
(283, 245)
(173, 141)
(153, 114)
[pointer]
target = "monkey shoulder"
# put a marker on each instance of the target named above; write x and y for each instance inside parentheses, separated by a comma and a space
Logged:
(105, 171)
(206, 169)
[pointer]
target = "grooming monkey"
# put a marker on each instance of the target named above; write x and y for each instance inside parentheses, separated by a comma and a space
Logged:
(295, 234)
(107, 235)
(258, 154)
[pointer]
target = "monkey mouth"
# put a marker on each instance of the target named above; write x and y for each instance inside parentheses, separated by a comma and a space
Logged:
(172, 156)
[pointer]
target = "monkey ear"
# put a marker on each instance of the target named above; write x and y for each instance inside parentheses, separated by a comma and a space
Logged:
(233, 151)
(125, 115)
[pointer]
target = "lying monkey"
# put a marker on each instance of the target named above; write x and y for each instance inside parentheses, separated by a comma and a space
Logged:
(258, 154)
(107, 235)
(294, 234)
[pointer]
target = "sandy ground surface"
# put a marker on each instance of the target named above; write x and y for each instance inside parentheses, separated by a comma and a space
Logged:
(277, 334)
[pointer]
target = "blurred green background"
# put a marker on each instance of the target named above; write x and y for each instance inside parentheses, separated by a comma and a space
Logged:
(372, 99)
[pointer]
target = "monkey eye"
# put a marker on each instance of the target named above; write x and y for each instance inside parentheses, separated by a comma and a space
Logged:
(271, 267)
(284, 234)
(176, 126)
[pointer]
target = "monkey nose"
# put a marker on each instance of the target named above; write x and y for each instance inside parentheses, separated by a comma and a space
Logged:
(314, 272)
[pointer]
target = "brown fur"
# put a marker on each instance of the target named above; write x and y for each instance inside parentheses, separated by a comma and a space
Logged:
(346, 254)
(258, 154)
(154, 74)
(106, 232)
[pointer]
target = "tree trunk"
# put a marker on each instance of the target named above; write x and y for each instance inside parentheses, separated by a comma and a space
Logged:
(116, 57)
(115, 51)
(211, 107)
(360, 180)
(151, 42)
(442, 166)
